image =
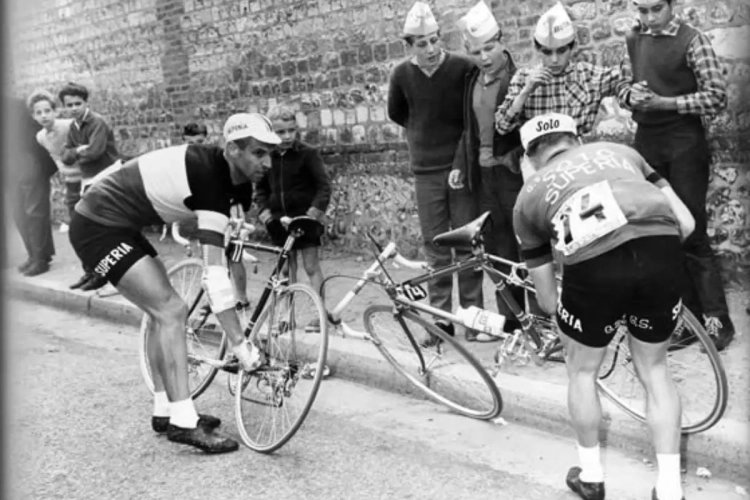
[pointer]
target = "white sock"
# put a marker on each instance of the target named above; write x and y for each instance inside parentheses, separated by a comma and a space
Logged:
(183, 414)
(669, 481)
(161, 404)
(591, 464)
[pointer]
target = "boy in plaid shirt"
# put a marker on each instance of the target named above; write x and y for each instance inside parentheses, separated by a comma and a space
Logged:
(558, 85)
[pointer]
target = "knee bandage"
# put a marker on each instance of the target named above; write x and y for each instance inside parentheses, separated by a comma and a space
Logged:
(218, 288)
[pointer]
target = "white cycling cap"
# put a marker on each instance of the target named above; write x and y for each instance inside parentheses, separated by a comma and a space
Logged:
(420, 20)
(555, 29)
(255, 125)
(478, 25)
(546, 124)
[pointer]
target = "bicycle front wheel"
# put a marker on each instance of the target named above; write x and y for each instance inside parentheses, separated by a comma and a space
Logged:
(696, 369)
(448, 374)
(273, 402)
(204, 336)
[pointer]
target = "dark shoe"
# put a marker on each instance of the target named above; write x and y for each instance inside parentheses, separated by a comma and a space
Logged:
(203, 439)
(721, 330)
(433, 341)
(161, 424)
(81, 281)
(587, 491)
(481, 337)
(95, 283)
(654, 497)
(37, 268)
(23, 267)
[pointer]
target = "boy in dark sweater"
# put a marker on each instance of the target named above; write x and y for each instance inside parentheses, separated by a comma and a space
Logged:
(296, 184)
(677, 82)
(426, 98)
(91, 147)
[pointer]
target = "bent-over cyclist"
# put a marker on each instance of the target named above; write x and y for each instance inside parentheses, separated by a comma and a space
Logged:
(161, 187)
(616, 227)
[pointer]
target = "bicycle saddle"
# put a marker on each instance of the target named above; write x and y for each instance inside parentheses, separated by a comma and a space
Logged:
(308, 225)
(465, 236)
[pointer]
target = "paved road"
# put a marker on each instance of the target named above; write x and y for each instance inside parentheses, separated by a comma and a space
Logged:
(80, 430)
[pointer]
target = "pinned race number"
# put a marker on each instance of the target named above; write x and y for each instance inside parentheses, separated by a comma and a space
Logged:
(591, 213)
(412, 292)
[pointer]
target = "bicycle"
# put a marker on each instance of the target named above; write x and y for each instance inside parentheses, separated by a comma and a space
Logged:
(538, 339)
(280, 326)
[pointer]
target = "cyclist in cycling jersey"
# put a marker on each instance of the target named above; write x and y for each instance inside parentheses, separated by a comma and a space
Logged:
(616, 226)
(162, 187)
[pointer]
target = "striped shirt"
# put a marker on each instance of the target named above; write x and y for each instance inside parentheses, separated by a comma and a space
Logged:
(711, 97)
(577, 91)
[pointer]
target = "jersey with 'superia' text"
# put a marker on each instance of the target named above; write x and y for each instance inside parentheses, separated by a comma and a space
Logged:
(589, 200)
(168, 185)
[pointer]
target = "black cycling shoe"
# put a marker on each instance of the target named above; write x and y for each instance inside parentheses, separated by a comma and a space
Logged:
(433, 341)
(655, 497)
(161, 424)
(203, 439)
(587, 491)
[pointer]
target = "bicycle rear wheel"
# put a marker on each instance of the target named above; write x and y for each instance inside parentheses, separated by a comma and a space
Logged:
(696, 369)
(449, 374)
(204, 336)
(273, 402)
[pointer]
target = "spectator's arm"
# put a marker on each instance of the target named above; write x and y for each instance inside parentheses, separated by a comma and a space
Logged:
(322, 184)
(626, 73)
(69, 154)
(711, 97)
(97, 143)
(398, 107)
(508, 115)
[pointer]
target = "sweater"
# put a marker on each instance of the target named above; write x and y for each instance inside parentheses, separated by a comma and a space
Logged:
(662, 63)
(93, 131)
(430, 108)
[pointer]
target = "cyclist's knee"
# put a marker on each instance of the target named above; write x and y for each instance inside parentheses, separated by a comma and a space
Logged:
(172, 310)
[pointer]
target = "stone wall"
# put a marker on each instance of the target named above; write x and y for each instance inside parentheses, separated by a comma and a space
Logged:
(152, 65)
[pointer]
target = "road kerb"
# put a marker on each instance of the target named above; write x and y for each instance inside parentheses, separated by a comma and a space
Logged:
(723, 449)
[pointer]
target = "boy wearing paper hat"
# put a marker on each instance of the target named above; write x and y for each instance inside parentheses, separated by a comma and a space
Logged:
(486, 161)
(611, 219)
(680, 81)
(426, 98)
(557, 84)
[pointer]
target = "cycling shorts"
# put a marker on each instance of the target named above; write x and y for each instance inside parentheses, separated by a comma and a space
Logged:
(637, 283)
(109, 251)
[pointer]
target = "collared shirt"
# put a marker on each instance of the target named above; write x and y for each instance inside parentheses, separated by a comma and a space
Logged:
(577, 91)
(711, 98)
(93, 131)
(430, 72)
(54, 140)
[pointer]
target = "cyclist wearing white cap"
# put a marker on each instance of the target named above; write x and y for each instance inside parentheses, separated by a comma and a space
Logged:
(558, 84)
(616, 225)
(161, 187)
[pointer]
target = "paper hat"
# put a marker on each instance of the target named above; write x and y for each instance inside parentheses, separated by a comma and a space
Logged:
(478, 25)
(546, 124)
(555, 29)
(420, 20)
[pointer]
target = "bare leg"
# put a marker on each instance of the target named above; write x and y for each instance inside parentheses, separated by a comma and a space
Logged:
(146, 285)
(663, 413)
(312, 268)
(585, 409)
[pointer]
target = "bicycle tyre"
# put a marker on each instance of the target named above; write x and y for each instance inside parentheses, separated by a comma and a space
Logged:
(719, 376)
(193, 303)
(242, 381)
(424, 383)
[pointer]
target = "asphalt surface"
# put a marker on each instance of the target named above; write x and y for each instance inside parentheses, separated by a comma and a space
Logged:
(80, 429)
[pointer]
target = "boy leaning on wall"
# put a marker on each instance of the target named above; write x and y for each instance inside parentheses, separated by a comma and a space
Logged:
(91, 148)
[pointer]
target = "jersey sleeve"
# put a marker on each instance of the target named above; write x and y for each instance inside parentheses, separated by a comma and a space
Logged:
(211, 201)
(649, 173)
(534, 241)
